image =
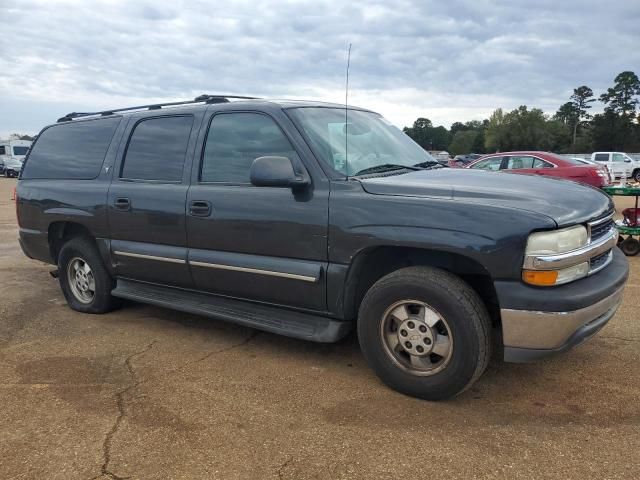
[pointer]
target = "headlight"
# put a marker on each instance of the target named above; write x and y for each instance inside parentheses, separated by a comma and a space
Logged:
(551, 243)
(557, 241)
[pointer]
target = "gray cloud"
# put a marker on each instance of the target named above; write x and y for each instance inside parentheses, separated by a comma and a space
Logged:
(453, 60)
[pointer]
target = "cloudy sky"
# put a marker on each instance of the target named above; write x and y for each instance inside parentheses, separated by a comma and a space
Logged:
(446, 60)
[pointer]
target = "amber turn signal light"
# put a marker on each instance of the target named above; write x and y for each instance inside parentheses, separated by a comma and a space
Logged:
(542, 278)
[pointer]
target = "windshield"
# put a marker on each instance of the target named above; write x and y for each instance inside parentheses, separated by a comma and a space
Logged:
(366, 141)
(20, 150)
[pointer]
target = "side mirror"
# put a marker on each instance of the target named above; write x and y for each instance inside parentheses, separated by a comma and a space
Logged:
(276, 172)
(627, 160)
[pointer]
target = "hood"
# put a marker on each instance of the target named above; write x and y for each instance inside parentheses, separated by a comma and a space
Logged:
(564, 201)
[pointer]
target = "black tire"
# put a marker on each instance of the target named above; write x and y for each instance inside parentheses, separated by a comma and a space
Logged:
(636, 175)
(630, 246)
(456, 302)
(85, 250)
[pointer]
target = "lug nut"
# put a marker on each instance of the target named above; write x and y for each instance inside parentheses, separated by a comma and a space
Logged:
(423, 329)
(420, 349)
(427, 341)
(403, 333)
(411, 324)
(407, 344)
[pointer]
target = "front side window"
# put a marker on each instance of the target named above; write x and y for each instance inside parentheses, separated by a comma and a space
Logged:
(235, 140)
(492, 164)
(157, 149)
(71, 150)
(353, 141)
(618, 157)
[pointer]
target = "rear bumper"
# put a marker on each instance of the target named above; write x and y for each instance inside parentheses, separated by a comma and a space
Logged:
(531, 335)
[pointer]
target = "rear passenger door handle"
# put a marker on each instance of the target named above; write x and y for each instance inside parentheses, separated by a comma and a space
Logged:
(200, 208)
(122, 203)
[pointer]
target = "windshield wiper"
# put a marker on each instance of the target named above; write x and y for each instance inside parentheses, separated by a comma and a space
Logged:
(429, 164)
(387, 167)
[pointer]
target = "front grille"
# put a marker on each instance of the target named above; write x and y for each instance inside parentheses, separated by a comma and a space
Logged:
(599, 261)
(599, 230)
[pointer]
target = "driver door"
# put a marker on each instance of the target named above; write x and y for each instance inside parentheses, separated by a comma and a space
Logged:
(266, 244)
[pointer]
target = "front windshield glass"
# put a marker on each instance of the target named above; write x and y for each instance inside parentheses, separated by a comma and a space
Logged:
(20, 150)
(366, 141)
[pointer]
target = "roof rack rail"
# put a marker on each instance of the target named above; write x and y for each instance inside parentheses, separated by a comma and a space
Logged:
(205, 98)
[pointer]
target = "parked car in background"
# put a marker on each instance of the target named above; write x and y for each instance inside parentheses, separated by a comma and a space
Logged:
(12, 154)
(543, 163)
(462, 160)
(586, 161)
(619, 163)
(12, 167)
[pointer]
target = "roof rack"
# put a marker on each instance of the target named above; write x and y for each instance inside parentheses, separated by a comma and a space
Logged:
(207, 99)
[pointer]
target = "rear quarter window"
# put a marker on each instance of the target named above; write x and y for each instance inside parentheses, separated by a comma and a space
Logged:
(71, 150)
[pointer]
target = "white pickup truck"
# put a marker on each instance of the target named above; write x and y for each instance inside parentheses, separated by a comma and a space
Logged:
(619, 164)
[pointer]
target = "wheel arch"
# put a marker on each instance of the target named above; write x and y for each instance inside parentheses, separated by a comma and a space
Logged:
(60, 232)
(373, 263)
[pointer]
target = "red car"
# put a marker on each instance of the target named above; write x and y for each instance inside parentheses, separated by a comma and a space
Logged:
(543, 163)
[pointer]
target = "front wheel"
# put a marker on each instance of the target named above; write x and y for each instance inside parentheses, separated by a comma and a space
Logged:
(636, 175)
(425, 332)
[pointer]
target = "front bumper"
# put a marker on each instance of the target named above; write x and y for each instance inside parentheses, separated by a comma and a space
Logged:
(538, 322)
(530, 335)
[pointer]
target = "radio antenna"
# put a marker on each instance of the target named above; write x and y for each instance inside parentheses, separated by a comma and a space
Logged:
(346, 116)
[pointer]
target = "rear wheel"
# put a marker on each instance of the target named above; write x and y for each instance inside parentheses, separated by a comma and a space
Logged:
(636, 175)
(425, 332)
(84, 280)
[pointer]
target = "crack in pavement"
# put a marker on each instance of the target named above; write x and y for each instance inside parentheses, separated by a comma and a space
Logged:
(106, 444)
(282, 467)
(623, 339)
(120, 401)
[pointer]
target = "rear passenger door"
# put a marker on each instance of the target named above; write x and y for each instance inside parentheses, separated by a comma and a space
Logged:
(264, 244)
(147, 197)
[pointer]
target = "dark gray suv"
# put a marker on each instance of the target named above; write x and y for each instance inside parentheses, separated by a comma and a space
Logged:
(309, 219)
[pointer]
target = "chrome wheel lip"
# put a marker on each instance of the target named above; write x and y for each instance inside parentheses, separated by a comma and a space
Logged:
(398, 357)
(81, 280)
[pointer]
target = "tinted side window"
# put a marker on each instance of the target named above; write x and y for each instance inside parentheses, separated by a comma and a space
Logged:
(235, 140)
(602, 157)
(3, 150)
(157, 149)
(73, 150)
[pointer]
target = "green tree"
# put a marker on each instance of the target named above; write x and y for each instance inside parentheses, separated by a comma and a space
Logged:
(566, 114)
(524, 129)
(427, 136)
(463, 142)
(621, 98)
(580, 100)
(494, 133)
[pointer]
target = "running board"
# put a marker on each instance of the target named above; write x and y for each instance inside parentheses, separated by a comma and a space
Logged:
(271, 319)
